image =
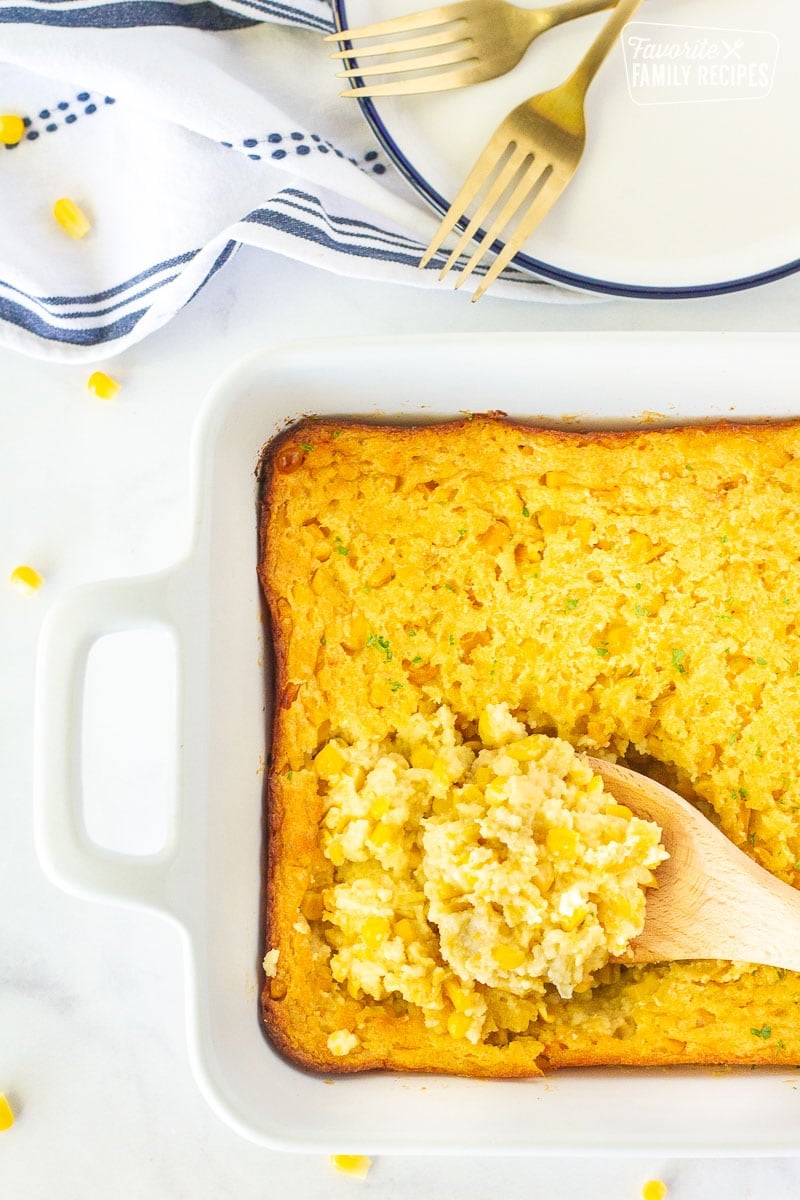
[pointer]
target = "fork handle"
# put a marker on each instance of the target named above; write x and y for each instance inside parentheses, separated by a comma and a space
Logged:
(559, 14)
(595, 56)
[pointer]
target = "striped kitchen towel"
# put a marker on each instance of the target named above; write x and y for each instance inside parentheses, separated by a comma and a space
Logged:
(184, 129)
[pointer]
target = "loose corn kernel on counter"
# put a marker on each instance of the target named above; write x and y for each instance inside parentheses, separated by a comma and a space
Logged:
(633, 594)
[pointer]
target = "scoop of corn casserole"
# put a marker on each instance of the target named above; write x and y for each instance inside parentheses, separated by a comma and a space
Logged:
(503, 865)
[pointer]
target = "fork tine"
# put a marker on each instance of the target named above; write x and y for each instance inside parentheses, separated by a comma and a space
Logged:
(425, 62)
(504, 178)
(512, 205)
(495, 149)
(544, 200)
(457, 76)
(443, 38)
(418, 20)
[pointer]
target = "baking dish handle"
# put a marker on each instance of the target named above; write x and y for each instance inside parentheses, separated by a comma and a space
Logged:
(66, 852)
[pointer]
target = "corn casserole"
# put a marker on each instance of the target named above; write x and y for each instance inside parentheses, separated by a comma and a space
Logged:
(458, 612)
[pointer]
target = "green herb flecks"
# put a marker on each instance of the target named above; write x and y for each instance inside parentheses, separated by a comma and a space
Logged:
(381, 643)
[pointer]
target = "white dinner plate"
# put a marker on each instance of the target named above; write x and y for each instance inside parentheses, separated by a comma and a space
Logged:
(690, 182)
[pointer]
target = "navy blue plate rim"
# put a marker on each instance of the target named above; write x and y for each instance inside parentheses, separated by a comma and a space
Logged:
(537, 267)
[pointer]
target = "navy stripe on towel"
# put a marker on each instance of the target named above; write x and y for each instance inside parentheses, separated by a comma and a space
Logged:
(128, 15)
(23, 318)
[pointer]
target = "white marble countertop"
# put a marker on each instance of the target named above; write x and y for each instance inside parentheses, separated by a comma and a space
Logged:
(92, 1038)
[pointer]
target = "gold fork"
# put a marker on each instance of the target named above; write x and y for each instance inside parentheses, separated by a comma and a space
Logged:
(466, 43)
(529, 160)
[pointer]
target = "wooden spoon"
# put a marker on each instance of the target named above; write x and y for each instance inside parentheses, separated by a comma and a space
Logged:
(712, 901)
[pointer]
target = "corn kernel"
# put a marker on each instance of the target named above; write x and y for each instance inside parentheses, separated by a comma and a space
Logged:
(381, 694)
(594, 785)
(619, 638)
(561, 842)
(357, 1165)
(583, 530)
(485, 728)
(422, 757)
(6, 1113)
(381, 575)
(654, 1189)
(324, 584)
(458, 996)
(440, 770)
(549, 520)
(458, 1024)
(598, 732)
(444, 804)
(495, 537)
(530, 649)
(495, 792)
(406, 930)
(375, 931)
(383, 834)
(329, 761)
(102, 385)
(642, 548)
(557, 479)
(335, 853)
(302, 593)
(544, 877)
(574, 919)
(483, 776)
(357, 634)
(318, 583)
(357, 774)
(526, 749)
(25, 579)
(71, 218)
(508, 958)
(12, 129)
(379, 807)
(619, 810)
(312, 906)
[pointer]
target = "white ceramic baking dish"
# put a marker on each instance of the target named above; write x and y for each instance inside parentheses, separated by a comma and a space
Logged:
(207, 877)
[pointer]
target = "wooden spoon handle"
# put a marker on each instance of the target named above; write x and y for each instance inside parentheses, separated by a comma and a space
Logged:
(712, 901)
